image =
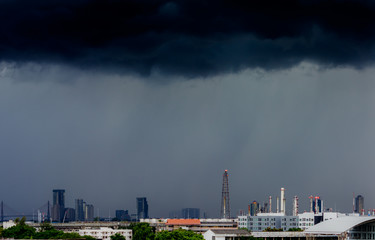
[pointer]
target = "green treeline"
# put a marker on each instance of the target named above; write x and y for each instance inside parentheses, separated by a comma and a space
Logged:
(141, 231)
(23, 231)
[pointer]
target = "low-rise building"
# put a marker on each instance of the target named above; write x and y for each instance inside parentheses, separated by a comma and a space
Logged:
(104, 233)
(261, 222)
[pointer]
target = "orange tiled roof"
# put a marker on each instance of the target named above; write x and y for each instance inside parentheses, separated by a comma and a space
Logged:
(183, 222)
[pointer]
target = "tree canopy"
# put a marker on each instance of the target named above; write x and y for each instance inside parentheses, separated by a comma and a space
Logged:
(22, 231)
(117, 236)
(179, 234)
(143, 231)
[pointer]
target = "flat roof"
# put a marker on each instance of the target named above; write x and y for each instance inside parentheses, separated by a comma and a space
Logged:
(185, 222)
(339, 225)
(237, 232)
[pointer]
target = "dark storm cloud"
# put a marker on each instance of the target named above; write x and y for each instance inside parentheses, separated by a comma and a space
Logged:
(191, 38)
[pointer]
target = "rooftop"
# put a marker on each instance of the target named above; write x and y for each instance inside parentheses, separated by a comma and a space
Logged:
(339, 225)
(184, 222)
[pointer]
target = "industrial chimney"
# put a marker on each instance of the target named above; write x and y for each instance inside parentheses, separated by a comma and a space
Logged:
(282, 196)
(295, 206)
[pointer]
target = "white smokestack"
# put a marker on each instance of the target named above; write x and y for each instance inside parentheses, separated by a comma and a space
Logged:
(282, 196)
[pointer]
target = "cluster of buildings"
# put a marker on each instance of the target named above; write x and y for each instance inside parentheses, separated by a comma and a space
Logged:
(82, 211)
(85, 212)
(261, 218)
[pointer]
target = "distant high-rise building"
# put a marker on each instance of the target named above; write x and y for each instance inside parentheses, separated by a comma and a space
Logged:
(225, 203)
(190, 213)
(58, 207)
(84, 211)
(122, 215)
(79, 210)
(359, 204)
(89, 212)
(142, 208)
(254, 208)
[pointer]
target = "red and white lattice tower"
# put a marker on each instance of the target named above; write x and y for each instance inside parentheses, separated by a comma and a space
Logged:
(225, 203)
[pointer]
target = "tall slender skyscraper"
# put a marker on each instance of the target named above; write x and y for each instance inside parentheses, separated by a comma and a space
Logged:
(79, 210)
(359, 204)
(142, 208)
(58, 207)
(225, 203)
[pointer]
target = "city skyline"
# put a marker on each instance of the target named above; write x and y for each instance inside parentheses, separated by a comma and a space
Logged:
(114, 100)
(142, 203)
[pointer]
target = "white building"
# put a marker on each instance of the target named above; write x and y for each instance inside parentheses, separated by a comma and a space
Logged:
(278, 220)
(105, 233)
(9, 224)
(263, 221)
(225, 234)
(306, 220)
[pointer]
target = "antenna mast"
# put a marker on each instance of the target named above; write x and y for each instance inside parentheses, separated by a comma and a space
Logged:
(225, 203)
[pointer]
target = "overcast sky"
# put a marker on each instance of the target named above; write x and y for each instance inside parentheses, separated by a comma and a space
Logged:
(113, 100)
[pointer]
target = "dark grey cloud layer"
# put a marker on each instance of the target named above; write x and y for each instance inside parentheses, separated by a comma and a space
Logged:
(190, 38)
(109, 139)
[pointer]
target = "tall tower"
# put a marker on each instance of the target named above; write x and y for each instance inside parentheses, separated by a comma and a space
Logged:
(359, 204)
(311, 203)
(295, 206)
(58, 207)
(225, 203)
(142, 208)
(282, 198)
(79, 210)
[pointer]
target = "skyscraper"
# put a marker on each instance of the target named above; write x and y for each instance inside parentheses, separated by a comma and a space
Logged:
(84, 211)
(79, 210)
(89, 212)
(142, 208)
(225, 204)
(58, 207)
(359, 204)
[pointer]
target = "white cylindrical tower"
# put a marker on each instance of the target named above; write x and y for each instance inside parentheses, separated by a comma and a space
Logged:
(282, 198)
